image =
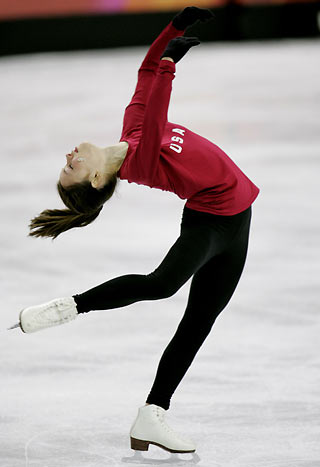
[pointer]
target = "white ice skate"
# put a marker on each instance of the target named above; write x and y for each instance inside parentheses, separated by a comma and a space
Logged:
(53, 313)
(151, 428)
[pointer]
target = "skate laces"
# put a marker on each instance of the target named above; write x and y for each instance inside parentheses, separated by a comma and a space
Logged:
(64, 303)
(160, 415)
(67, 307)
(60, 305)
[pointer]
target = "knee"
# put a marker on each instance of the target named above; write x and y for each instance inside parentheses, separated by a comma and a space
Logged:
(161, 287)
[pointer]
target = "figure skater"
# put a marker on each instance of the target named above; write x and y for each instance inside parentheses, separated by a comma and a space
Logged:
(214, 230)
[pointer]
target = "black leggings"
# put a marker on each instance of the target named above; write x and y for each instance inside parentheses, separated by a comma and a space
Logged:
(213, 249)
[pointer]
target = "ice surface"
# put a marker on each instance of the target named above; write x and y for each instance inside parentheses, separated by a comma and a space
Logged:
(70, 394)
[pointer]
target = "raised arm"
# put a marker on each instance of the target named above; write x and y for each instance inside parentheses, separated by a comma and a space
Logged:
(134, 112)
(147, 154)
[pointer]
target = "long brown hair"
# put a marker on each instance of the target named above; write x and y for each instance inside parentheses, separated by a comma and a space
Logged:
(84, 204)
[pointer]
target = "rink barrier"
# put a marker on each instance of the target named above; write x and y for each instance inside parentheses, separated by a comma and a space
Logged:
(234, 22)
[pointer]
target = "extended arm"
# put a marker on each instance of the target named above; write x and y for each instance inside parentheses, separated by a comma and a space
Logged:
(134, 112)
(148, 150)
(147, 153)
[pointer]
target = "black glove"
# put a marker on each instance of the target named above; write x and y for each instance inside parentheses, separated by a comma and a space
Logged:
(179, 46)
(189, 16)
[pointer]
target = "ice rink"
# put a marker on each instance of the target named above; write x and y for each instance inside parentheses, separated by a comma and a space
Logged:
(70, 394)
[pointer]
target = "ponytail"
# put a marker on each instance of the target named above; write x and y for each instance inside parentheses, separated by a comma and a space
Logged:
(84, 204)
(52, 222)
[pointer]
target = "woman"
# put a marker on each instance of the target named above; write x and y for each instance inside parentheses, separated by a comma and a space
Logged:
(213, 242)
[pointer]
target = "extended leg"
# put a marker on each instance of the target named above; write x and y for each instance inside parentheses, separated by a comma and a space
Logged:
(197, 243)
(191, 250)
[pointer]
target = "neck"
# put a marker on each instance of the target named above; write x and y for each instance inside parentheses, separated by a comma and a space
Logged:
(114, 156)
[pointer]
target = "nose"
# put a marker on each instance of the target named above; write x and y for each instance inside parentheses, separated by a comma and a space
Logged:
(71, 155)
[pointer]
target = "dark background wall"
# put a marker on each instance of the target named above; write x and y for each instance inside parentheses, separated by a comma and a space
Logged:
(234, 21)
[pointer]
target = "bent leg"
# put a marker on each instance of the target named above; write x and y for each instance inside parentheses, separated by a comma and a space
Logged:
(190, 251)
(211, 289)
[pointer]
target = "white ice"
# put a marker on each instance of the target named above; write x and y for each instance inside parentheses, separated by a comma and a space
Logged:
(69, 394)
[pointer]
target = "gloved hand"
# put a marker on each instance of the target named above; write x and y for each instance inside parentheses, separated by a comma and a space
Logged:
(179, 46)
(190, 15)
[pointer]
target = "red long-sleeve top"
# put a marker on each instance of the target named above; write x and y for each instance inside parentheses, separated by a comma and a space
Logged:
(169, 156)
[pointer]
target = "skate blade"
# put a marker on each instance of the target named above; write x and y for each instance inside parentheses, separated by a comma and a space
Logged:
(15, 326)
(174, 460)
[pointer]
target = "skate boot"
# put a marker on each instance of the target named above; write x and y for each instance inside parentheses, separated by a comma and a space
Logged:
(57, 311)
(151, 428)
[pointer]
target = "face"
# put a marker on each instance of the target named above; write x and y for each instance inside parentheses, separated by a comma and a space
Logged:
(80, 165)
